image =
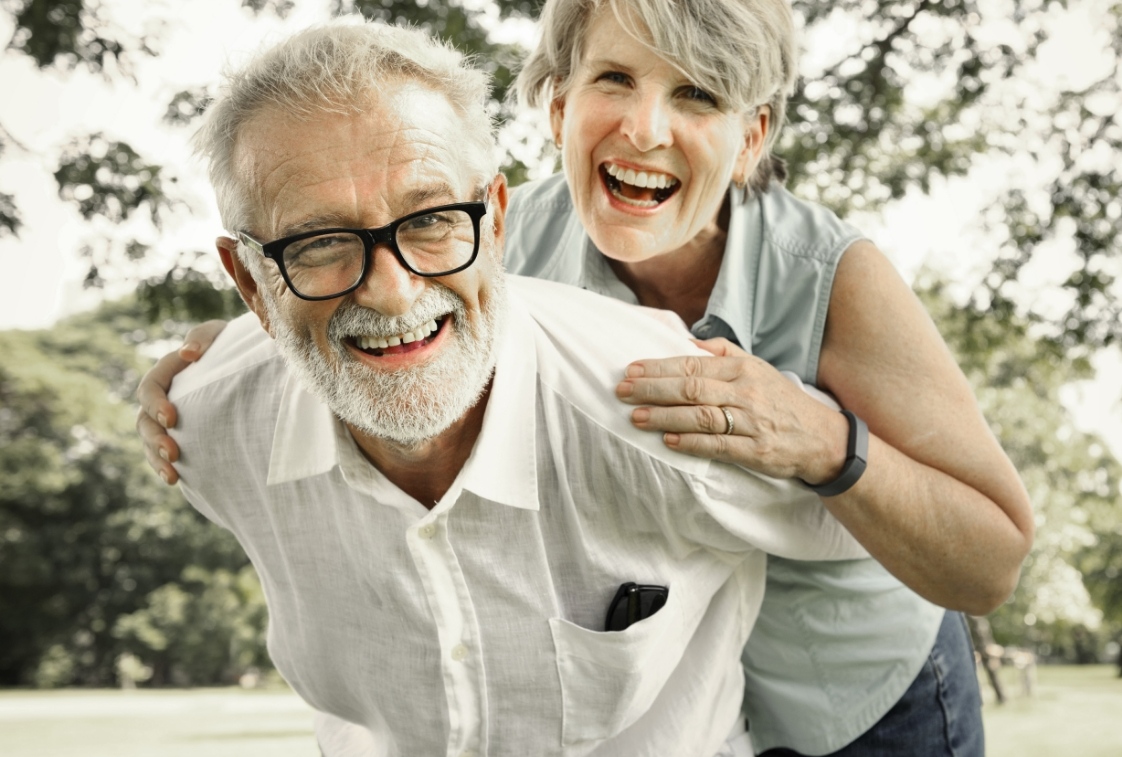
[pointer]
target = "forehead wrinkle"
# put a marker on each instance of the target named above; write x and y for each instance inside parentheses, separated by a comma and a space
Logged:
(403, 149)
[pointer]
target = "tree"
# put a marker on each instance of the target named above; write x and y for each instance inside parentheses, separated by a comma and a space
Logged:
(912, 93)
(921, 90)
(86, 530)
(1069, 583)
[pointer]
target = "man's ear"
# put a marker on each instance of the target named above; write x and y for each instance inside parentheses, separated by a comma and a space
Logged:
(246, 284)
(755, 135)
(497, 210)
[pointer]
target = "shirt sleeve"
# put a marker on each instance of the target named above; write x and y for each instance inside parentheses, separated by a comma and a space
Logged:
(218, 450)
(788, 520)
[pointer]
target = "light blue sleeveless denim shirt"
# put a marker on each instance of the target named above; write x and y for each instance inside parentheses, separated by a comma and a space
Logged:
(836, 643)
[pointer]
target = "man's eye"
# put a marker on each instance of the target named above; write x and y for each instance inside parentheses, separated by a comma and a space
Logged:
(427, 221)
(324, 250)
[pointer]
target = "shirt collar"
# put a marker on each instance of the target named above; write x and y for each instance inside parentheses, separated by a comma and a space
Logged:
(304, 441)
(733, 297)
(502, 466)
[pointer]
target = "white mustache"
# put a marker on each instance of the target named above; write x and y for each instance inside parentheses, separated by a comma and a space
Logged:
(352, 320)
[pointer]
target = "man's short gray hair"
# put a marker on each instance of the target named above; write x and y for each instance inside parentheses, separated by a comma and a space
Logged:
(743, 52)
(335, 68)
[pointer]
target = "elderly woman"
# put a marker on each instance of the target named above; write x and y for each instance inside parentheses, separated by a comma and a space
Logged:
(665, 111)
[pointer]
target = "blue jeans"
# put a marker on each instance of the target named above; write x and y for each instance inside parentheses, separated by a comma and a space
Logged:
(940, 715)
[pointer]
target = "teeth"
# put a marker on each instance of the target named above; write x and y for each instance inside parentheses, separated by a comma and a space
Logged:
(648, 180)
(416, 335)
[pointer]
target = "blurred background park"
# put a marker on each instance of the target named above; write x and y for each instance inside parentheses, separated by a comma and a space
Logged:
(978, 142)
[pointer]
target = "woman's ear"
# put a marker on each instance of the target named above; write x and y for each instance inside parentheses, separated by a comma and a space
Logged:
(557, 119)
(756, 129)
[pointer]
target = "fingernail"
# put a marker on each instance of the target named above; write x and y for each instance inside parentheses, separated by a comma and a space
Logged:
(164, 455)
(641, 415)
(671, 440)
(162, 419)
(625, 389)
(634, 371)
(165, 477)
(190, 347)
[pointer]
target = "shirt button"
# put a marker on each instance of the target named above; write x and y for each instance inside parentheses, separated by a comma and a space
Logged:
(427, 531)
(459, 653)
(469, 753)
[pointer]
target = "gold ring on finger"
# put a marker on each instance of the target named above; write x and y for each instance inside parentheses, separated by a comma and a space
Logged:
(728, 420)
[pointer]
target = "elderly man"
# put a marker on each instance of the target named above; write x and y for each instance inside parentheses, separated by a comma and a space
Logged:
(465, 545)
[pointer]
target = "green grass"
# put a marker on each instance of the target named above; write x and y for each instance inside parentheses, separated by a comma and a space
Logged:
(1074, 711)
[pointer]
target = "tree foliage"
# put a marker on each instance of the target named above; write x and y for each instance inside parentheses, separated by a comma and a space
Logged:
(118, 568)
(923, 90)
(1069, 581)
(88, 535)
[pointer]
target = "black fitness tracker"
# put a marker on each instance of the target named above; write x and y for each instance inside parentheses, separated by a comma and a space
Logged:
(856, 455)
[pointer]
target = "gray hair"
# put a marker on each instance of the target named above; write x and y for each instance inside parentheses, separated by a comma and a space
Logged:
(334, 68)
(741, 51)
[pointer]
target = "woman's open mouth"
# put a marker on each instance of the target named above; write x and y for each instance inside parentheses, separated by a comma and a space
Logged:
(639, 189)
(419, 337)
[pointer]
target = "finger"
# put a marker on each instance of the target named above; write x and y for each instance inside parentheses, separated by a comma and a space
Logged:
(668, 392)
(728, 449)
(164, 469)
(152, 393)
(705, 419)
(721, 347)
(704, 366)
(155, 438)
(200, 338)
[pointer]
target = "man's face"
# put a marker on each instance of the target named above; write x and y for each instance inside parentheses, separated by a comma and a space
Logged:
(364, 171)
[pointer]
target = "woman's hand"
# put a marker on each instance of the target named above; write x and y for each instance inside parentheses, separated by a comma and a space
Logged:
(156, 413)
(939, 505)
(777, 428)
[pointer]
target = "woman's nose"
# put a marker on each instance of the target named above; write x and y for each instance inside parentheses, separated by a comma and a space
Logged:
(647, 124)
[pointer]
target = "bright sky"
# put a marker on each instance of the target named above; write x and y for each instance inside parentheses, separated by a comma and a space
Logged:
(43, 111)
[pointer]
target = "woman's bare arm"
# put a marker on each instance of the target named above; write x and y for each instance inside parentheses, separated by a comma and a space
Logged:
(940, 505)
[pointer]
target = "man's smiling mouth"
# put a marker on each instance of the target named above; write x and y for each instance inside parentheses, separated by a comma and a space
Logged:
(419, 337)
(639, 189)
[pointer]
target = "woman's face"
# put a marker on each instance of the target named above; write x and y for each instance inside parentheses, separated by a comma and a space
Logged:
(648, 155)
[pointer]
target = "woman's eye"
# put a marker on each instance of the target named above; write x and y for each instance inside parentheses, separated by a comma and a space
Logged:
(613, 77)
(698, 94)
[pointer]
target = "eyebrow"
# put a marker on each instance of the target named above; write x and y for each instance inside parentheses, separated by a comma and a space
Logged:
(417, 199)
(323, 221)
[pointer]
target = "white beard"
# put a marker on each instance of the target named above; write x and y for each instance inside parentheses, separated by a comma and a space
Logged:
(407, 406)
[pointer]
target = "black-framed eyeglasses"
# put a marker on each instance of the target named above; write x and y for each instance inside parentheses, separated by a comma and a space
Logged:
(328, 263)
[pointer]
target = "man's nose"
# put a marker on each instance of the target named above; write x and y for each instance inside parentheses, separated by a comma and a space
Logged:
(647, 124)
(389, 287)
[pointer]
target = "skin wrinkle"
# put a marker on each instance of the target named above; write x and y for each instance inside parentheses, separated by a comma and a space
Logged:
(278, 227)
(368, 168)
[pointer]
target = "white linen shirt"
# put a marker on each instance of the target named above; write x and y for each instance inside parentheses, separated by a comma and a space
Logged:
(476, 627)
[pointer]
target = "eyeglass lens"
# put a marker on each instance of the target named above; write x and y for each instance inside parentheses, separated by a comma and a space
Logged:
(327, 264)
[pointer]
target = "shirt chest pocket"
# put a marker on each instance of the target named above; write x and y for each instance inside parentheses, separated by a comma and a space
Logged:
(609, 679)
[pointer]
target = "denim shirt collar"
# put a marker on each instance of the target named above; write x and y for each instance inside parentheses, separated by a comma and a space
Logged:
(729, 312)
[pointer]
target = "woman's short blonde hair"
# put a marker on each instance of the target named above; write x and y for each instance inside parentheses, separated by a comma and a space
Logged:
(743, 52)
